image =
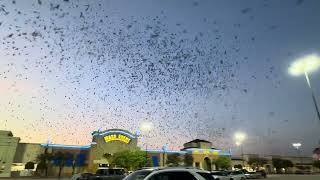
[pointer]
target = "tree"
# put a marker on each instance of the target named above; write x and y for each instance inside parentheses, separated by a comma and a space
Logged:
(59, 159)
(238, 166)
(281, 163)
(43, 162)
(188, 160)
(129, 159)
(287, 163)
(173, 159)
(223, 162)
(29, 165)
(316, 164)
(256, 162)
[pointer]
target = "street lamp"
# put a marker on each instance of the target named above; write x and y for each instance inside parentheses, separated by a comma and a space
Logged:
(146, 127)
(297, 147)
(304, 66)
(239, 138)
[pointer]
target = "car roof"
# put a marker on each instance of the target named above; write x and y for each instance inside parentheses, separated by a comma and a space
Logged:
(108, 168)
(175, 169)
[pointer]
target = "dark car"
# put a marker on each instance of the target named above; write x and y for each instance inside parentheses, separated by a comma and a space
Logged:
(263, 173)
(81, 176)
(108, 174)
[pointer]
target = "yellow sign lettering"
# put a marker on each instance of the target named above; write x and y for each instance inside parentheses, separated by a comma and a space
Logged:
(117, 137)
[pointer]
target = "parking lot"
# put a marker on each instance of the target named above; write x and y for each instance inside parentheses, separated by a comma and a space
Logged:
(294, 177)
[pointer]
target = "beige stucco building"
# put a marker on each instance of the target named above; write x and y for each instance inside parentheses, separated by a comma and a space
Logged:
(8, 147)
(88, 158)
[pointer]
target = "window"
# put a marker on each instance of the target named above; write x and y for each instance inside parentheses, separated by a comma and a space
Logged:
(138, 175)
(220, 173)
(100, 171)
(111, 171)
(119, 172)
(206, 176)
(173, 175)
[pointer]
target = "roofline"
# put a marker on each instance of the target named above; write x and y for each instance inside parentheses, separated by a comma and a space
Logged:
(198, 140)
(221, 153)
(200, 149)
(65, 146)
(165, 151)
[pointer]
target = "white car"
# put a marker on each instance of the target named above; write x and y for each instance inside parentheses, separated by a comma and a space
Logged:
(220, 175)
(237, 175)
(178, 173)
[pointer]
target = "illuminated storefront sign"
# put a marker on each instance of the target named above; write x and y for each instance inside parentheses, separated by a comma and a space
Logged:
(117, 137)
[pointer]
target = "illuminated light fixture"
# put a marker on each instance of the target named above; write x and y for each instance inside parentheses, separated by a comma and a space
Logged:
(296, 145)
(239, 137)
(146, 126)
(306, 64)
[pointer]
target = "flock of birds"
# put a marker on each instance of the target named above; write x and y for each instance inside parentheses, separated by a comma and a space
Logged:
(111, 72)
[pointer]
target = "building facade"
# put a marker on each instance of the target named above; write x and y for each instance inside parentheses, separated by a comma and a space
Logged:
(299, 163)
(88, 158)
(8, 147)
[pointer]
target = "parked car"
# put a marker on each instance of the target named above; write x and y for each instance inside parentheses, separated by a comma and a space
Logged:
(170, 174)
(253, 175)
(263, 173)
(220, 175)
(108, 174)
(81, 176)
(236, 175)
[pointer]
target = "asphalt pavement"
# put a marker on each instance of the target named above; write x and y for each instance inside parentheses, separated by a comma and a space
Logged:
(294, 177)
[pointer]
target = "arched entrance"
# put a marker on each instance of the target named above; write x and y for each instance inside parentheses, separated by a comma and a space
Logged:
(207, 164)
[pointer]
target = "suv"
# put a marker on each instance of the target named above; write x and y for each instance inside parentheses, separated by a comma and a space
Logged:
(237, 175)
(108, 174)
(170, 174)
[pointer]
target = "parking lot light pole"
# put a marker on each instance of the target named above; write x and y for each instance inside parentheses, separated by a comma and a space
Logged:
(304, 66)
(146, 127)
(239, 138)
(297, 147)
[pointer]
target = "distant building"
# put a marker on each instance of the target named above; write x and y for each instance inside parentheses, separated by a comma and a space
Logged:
(303, 162)
(316, 153)
(14, 155)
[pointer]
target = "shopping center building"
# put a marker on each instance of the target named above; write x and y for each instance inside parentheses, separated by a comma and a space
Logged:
(15, 155)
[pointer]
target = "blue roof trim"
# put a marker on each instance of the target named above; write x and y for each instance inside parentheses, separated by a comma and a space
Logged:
(66, 146)
(200, 149)
(166, 151)
(115, 131)
(188, 151)
(225, 154)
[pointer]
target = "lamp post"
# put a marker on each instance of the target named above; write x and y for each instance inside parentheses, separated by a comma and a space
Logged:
(305, 66)
(145, 128)
(239, 138)
(297, 147)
